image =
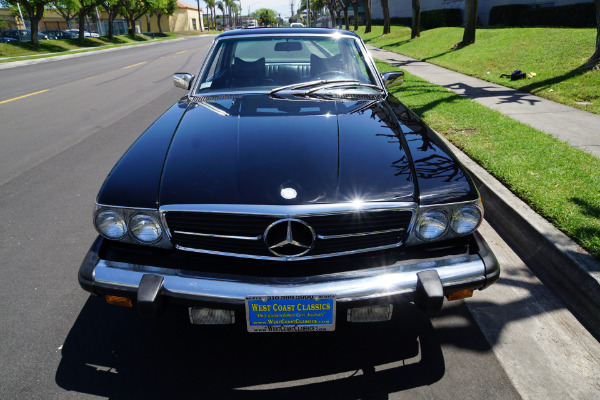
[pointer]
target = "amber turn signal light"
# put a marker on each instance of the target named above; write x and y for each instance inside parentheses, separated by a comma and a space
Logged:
(119, 301)
(461, 294)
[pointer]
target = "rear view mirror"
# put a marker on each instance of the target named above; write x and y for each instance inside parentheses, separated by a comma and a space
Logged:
(288, 46)
(183, 80)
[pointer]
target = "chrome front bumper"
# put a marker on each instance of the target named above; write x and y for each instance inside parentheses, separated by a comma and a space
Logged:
(469, 271)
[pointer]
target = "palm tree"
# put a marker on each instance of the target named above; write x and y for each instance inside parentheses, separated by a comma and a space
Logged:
(235, 10)
(210, 4)
(230, 4)
(221, 7)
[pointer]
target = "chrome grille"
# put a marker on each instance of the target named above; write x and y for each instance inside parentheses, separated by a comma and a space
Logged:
(242, 235)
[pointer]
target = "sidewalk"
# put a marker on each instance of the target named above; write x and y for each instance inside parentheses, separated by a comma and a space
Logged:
(579, 128)
(556, 259)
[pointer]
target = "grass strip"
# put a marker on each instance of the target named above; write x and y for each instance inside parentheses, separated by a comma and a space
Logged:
(557, 181)
(49, 48)
(556, 55)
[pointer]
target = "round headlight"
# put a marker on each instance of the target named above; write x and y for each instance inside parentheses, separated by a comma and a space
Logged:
(110, 224)
(466, 219)
(432, 225)
(145, 228)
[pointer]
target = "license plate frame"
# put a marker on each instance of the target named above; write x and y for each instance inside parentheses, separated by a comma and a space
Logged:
(290, 313)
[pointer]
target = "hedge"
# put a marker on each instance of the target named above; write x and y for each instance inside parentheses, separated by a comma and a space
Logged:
(439, 18)
(430, 19)
(582, 15)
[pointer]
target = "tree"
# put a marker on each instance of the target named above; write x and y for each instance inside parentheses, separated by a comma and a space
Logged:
(345, 4)
(35, 10)
(132, 10)
(112, 9)
(234, 11)
(163, 7)
(330, 4)
(85, 7)
(335, 8)
(229, 4)
(470, 23)
(214, 13)
(594, 61)
(368, 21)
(267, 17)
(355, 8)
(415, 29)
(386, 17)
(67, 9)
(315, 6)
(210, 4)
(221, 8)
(338, 6)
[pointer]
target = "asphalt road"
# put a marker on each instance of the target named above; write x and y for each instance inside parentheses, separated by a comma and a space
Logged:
(57, 342)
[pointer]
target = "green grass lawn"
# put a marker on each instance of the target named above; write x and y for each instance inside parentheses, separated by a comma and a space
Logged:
(554, 54)
(50, 47)
(559, 182)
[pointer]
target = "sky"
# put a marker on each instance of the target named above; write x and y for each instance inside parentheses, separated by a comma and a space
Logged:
(280, 6)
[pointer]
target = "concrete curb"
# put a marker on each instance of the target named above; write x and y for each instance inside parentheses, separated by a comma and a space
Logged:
(557, 260)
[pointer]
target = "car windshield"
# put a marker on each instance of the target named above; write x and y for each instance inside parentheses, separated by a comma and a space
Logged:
(265, 63)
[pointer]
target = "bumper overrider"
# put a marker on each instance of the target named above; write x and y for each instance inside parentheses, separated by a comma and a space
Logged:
(421, 280)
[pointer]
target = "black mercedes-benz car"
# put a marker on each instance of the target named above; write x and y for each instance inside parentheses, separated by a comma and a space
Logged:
(287, 191)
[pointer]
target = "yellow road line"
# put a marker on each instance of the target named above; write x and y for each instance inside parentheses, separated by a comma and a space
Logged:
(22, 97)
(183, 51)
(134, 65)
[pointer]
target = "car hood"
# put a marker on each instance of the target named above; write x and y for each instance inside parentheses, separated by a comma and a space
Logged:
(245, 150)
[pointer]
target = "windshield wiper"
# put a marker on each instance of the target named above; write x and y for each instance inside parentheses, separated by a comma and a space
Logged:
(346, 83)
(319, 83)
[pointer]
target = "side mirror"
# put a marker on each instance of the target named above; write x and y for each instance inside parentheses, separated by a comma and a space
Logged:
(183, 80)
(393, 78)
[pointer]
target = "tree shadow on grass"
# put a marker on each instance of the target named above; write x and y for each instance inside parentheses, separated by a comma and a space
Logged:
(450, 50)
(45, 46)
(391, 46)
(590, 235)
(137, 38)
(534, 85)
(591, 210)
(462, 90)
(116, 40)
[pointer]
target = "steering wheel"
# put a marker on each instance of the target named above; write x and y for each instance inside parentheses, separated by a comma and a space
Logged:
(333, 75)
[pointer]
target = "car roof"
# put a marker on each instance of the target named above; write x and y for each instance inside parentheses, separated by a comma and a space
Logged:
(284, 31)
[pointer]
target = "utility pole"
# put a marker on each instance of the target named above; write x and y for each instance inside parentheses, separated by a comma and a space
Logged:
(99, 24)
(21, 14)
